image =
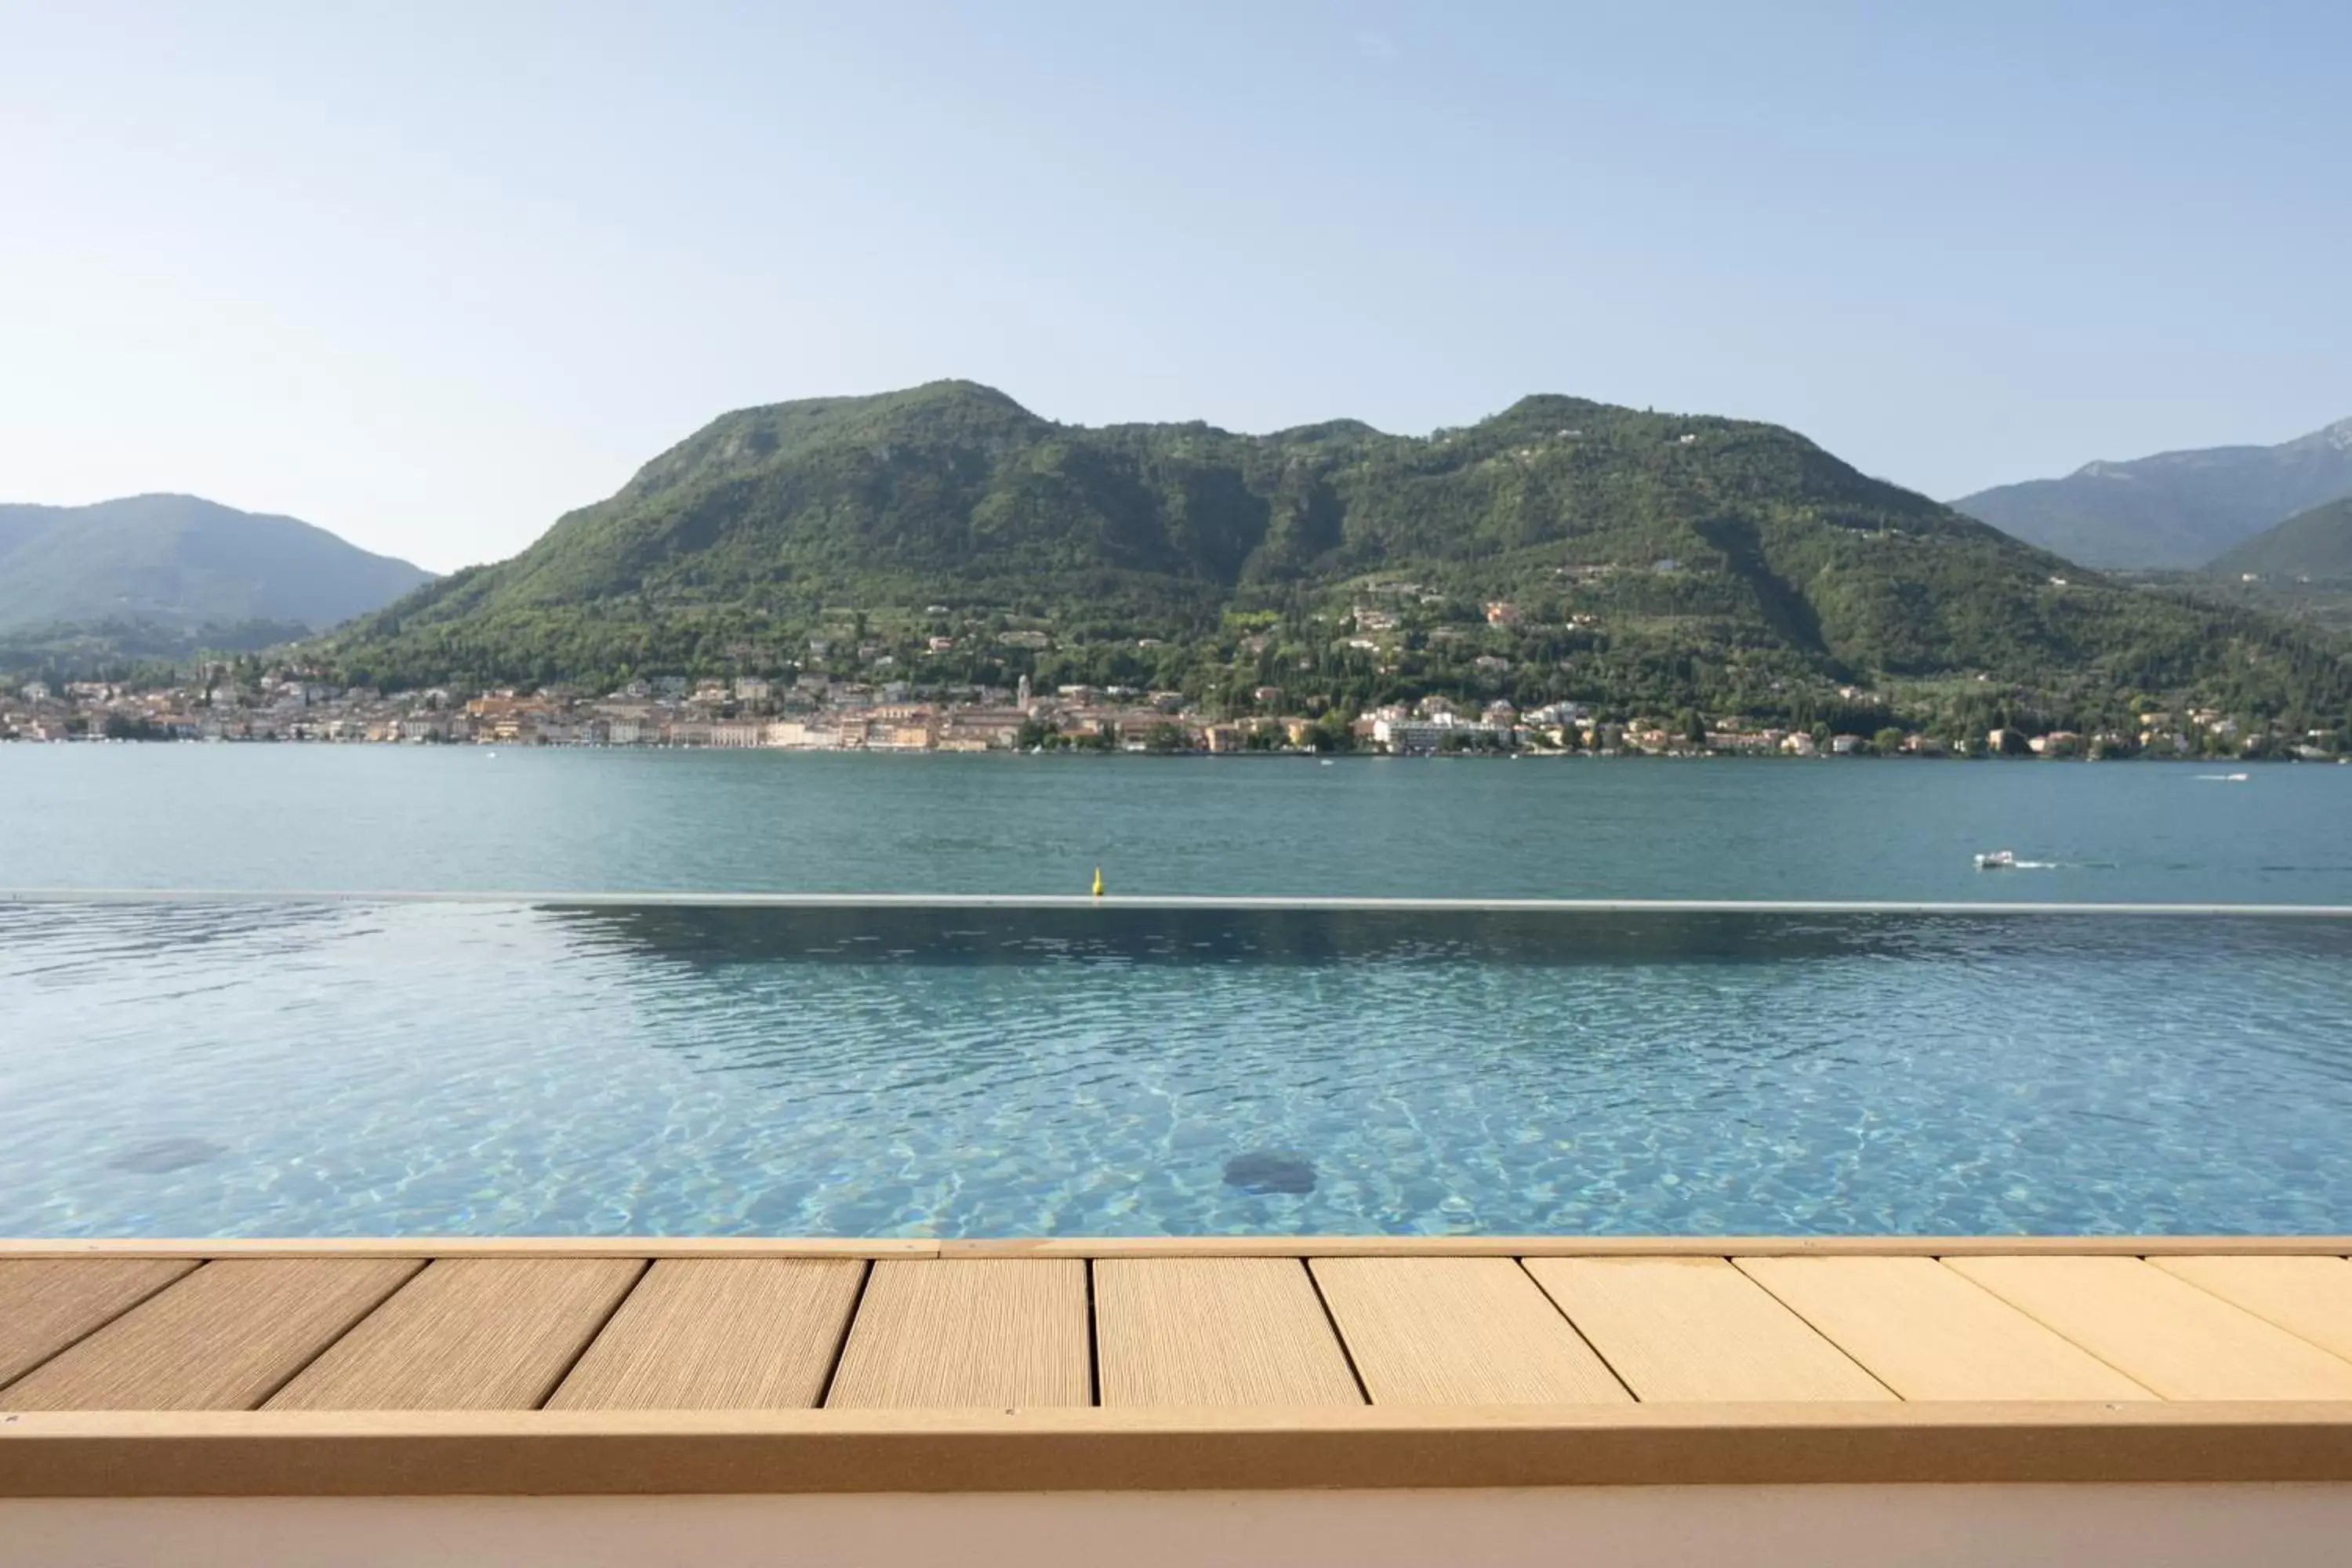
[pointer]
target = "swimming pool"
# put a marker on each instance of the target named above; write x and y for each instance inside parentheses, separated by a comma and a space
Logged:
(855, 1068)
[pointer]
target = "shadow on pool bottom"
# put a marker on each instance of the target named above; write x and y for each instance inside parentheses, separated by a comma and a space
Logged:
(966, 936)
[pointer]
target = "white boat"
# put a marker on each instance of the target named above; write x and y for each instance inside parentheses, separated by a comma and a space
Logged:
(1996, 860)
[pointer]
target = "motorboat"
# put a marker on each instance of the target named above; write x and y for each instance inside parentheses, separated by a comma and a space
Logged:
(1996, 860)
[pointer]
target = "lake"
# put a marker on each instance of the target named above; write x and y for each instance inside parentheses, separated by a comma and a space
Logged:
(421, 818)
(529, 1066)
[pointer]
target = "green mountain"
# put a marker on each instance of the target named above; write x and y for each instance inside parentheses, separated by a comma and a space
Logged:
(175, 563)
(2315, 544)
(2173, 511)
(1644, 558)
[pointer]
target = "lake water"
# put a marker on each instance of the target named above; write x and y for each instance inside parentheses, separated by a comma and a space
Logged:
(339, 818)
(531, 1067)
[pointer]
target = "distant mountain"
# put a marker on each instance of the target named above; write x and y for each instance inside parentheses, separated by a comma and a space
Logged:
(2176, 511)
(2315, 544)
(1561, 549)
(178, 562)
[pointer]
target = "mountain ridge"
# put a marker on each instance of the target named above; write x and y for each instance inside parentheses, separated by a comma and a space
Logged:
(2173, 511)
(177, 561)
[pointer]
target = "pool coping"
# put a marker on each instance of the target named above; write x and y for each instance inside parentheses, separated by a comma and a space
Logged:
(428, 1246)
(654, 898)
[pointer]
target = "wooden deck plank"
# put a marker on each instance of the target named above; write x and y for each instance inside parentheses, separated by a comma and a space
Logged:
(2160, 1331)
(467, 1333)
(757, 1332)
(1458, 1331)
(1215, 1331)
(720, 1333)
(998, 1334)
(46, 1304)
(223, 1338)
(2307, 1296)
(1928, 1334)
(1692, 1329)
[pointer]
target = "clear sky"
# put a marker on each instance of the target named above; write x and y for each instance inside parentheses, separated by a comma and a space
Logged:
(430, 273)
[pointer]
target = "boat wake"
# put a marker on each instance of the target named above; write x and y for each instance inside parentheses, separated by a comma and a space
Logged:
(2007, 861)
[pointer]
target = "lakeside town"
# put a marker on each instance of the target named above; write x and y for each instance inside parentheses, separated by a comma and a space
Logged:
(818, 713)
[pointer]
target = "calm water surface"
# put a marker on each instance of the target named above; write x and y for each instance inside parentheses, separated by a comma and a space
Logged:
(530, 1067)
(466, 817)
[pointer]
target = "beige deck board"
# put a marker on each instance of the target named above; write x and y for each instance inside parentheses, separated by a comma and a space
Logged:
(467, 1333)
(46, 1304)
(1693, 1329)
(2311, 1297)
(2160, 1331)
(1458, 1331)
(223, 1338)
(720, 1333)
(1217, 1341)
(1215, 1331)
(1001, 1333)
(1928, 1334)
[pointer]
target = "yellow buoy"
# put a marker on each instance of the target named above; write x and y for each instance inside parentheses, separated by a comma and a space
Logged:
(1098, 881)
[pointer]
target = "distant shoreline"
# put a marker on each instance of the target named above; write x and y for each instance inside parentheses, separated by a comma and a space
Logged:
(1089, 753)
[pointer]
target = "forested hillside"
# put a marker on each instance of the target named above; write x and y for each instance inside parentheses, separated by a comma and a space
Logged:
(1561, 548)
(2314, 544)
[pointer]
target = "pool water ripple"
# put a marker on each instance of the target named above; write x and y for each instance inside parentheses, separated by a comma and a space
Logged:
(513, 1069)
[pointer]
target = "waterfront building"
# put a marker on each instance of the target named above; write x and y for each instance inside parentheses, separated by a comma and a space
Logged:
(800, 735)
(981, 729)
(1433, 734)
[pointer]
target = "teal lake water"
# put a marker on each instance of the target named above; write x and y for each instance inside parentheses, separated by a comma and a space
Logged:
(527, 1066)
(328, 817)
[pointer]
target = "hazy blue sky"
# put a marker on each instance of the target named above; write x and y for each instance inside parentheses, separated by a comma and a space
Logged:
(430, 274)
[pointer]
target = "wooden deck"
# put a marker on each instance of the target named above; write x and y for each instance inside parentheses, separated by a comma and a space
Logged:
(349, 1367)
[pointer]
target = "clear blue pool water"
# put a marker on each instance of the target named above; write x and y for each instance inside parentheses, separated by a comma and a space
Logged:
(510, 1069)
